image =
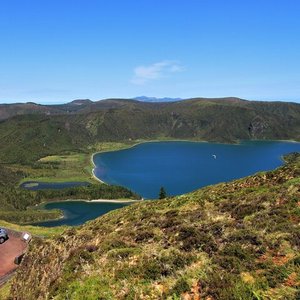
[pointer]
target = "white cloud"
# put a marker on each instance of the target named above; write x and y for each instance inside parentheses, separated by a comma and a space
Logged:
(162, 69)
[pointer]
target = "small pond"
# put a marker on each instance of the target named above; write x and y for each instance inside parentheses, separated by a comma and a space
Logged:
(35, 185)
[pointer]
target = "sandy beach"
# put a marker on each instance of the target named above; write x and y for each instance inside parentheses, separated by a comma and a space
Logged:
(113, 200)
(93, 170)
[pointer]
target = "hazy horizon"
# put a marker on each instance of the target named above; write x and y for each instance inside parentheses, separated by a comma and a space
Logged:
(55, 51)
(134, 98)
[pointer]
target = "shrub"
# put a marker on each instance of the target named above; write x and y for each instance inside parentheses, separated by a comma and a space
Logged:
(276, 275)
(180, 287)
(113, 243)
(243, 210)
(145, 235)
(220, 285)
(122, 253)
(245, 236)
(192, 238)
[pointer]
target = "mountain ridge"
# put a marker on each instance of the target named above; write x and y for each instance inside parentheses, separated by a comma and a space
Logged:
(155, 99)
(84, 105)
(69, 127)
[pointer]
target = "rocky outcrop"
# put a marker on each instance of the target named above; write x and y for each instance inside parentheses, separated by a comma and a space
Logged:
(258, 127)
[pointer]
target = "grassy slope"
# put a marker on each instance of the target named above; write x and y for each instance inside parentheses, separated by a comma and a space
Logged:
(67, 167)
(47, 232)
(238, 240)
(5, 290)
(61, 168)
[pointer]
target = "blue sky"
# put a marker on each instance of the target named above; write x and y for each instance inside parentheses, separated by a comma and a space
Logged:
(59, 50)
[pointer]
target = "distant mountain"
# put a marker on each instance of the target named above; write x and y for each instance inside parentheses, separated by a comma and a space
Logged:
(30, 108)
(35, 130)
(81, 102)
(84, 106)
(154, 99)
(9, 110)
(76, 106)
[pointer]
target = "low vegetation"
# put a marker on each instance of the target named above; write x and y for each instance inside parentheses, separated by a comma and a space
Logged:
(5, 290)
(238, 240)
(60, 168)
(18, 205)
(48, 232)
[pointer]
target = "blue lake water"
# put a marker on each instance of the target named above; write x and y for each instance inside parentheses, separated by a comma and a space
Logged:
(78, 212)
(181, 167)
(35, 185)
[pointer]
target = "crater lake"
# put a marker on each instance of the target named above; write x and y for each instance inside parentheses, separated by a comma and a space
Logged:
(179, 167)
(182, 167)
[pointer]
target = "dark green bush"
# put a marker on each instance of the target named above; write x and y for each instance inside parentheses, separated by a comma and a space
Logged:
(223, 286)
(276, 275)
(245, 236)
(180, 287)
(122, 253)
(237, 251)
(243, 210)
(193, 238)
(113, 243)
(142, 236)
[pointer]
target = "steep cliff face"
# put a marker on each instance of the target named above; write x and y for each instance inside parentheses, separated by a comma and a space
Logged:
(239, 240)
(258, 127)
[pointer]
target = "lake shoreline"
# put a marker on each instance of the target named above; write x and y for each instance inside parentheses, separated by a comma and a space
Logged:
(237, 147)
(134, 145)
(93, 170)
(171, 140)
(42, 204)
(62, 216)
(95, 201)
(65, 216)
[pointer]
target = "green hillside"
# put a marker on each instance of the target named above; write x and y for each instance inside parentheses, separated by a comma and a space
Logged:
(239, 240)
(18, 205)
(26, 138)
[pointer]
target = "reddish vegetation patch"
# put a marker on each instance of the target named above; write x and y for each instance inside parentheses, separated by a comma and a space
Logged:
(292, 280)
(194, 293)
(280, 260)
(276, 258)
(9, 251)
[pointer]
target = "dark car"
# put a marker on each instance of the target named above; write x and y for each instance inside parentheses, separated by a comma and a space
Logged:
(3, 235)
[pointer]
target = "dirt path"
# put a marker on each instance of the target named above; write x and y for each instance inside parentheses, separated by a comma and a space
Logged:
(11, 249)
